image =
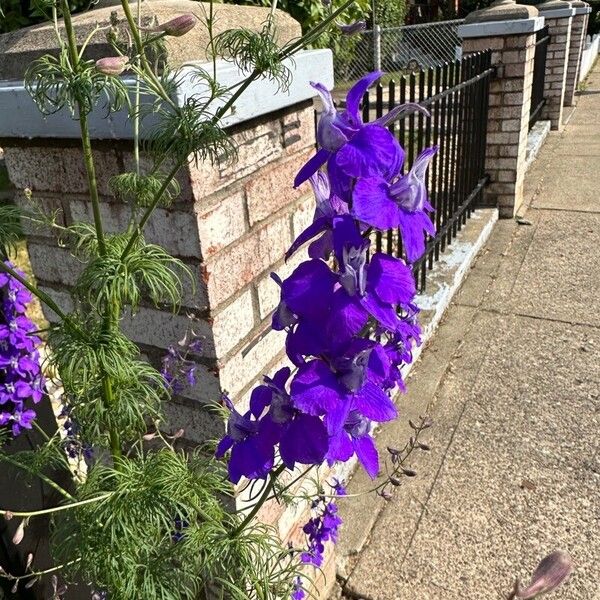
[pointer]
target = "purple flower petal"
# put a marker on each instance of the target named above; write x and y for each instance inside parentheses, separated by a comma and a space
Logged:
(372, 402)
(315, 389)
(356, 93)
(367, 454)
(373, 204)
(391, 279)
(305, 442)
(311, 166)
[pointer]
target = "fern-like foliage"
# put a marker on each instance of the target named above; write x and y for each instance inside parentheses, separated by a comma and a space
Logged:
(116, 280)
(10, 228)
(54, 83)
(189, 133)
(141, 190)
(164, 533)
(251, 50)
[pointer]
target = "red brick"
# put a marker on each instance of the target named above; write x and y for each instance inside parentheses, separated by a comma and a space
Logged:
(273, 188)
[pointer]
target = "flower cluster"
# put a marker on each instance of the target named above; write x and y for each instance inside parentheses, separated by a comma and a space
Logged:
(178, 370)
(348, 315)
(20, 373)
(320, 529)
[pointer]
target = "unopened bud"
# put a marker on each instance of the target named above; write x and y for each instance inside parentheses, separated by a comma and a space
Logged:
(32, 582)
(15, 587)
(178, 26)
(19, 533)
(149, 436)
(112, 65)
(409, 472)
(395, 481)
(29, 560)
(8, 515)
(423, 446)
(179, 433)
(353, 28)
(549, 574)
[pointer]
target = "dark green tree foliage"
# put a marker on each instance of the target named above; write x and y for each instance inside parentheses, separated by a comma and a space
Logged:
(15, 14)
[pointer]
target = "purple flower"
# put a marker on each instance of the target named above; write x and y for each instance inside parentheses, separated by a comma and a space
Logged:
(298, 592)
(403, 203)
(251, 455)
(355, 438)
(302, 438)
(552, 571)
(328, 206)
(319, 530)
(20, 370)
(351, 148)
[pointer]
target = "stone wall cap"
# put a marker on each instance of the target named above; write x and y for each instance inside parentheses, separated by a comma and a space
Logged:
(583, 10)
(502, 10)
(556, 9)
(19, 48)
(20, 117)
(501, 28)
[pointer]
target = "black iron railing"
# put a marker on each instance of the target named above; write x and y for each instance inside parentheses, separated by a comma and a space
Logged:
(539, 75)
(456, 94)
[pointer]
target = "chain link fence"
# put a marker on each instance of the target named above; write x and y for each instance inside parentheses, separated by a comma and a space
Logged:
(397, 49)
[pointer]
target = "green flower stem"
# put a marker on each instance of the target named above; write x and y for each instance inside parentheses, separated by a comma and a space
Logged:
(54, 509)
(85, 134)
(148, 212)
(259, 503)
(38, 573)
(44, 478)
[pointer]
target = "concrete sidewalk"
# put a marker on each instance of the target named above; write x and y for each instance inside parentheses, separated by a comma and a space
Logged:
(512, 381)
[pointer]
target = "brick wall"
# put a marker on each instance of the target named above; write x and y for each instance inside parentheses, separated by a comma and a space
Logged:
(231, 226)
(557, 58)
(578, 32)
(508, 118)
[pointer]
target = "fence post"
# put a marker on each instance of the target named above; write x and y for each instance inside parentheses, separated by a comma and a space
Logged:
(377, 48)
(509, 30)
(578, 31)
(558, 16)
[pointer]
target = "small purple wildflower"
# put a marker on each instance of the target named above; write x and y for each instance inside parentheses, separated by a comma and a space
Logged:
(320, 529)
(298, 592)
(178, 369)
(21, 378)
(353, 28)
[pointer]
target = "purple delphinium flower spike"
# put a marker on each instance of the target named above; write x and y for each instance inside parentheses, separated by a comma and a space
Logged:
(320, 529)
(298, 592)
(403, 203)
(20, 370)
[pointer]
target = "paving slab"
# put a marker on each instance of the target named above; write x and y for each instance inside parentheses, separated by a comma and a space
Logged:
(513, 484)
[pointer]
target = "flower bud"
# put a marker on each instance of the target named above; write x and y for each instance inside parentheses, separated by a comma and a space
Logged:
(112, 65)
(19, 533)
(353, 28)
(549, 574)
(179, 25)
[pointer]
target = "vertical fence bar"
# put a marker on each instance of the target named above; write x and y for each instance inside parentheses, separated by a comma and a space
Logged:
(392, 127)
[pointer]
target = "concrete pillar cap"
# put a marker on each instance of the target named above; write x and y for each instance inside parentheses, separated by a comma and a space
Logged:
(556, 9)
(502, 10)
(19, 48)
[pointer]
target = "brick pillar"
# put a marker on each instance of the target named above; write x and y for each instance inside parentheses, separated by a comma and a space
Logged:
(558, 16)
(578, 32)
(513, 48)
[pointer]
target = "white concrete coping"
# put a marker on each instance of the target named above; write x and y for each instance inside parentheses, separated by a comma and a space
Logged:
(492, 28)
(558, 13)
(20, 117)
(583, 10)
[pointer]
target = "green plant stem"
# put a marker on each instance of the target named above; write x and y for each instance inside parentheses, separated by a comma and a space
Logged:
(44, 478)
(92, 182)
(48, 511)
(148, 212)
(259, 503)
(38, 573)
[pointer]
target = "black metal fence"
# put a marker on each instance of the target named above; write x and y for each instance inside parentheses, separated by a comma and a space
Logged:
(456, 94)
(539, 75)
